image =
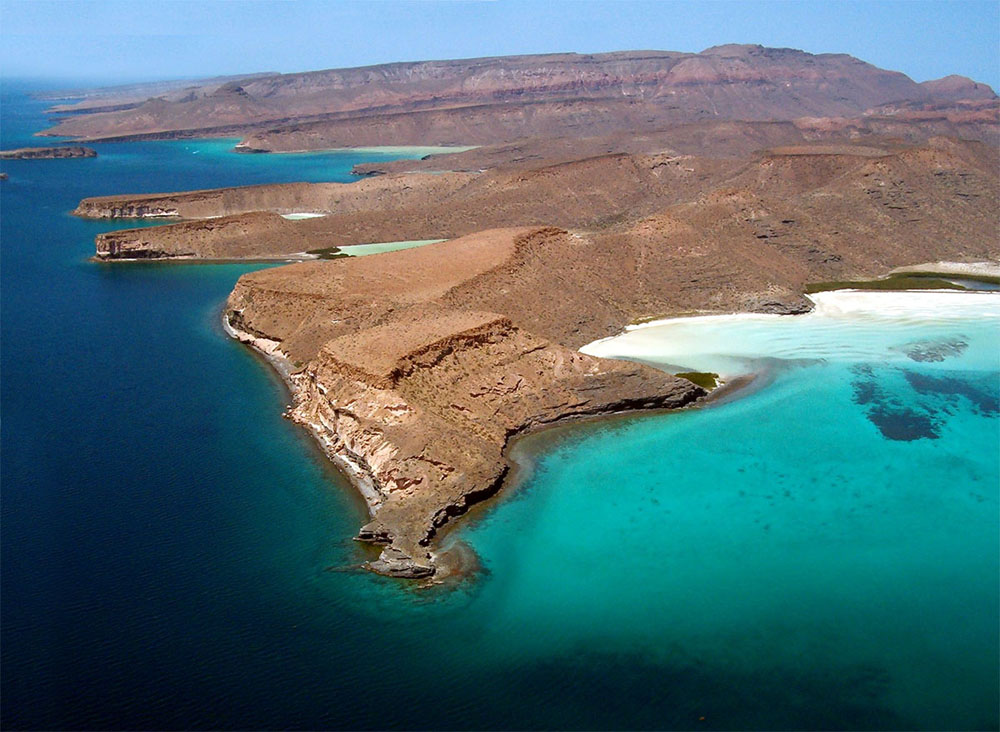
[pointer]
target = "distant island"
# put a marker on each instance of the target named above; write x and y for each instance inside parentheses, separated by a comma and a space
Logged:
(602, 190)
(47, 153)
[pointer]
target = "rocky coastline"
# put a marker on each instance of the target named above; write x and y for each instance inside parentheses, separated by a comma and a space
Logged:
(415, 395)
(409, 551)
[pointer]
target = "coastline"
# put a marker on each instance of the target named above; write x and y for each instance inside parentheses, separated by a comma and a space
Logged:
(524, 450)
(988, 269)
(515, 449)
(348, 250)
(282, 259)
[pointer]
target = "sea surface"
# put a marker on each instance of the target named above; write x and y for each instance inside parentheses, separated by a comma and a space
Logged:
(820, 553)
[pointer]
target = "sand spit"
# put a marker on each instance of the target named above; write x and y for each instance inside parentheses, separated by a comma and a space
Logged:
(362, 250)
(301, 216)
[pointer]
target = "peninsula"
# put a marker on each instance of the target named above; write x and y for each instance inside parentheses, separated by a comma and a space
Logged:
(605, 190)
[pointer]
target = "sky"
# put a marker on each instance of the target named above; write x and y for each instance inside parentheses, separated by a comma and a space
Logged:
(114, 40)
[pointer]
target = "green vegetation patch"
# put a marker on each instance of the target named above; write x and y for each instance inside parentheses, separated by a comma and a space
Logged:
(907, 281)
(704, 379)
(328, 253)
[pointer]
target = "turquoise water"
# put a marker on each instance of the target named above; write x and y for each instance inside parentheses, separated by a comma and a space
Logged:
(176, 555)
(837, 528)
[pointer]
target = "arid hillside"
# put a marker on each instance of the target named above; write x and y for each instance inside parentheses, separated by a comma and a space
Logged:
(820, 204)
(415, 369)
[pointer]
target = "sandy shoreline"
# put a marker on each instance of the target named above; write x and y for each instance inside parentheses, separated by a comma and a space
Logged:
(712, 344)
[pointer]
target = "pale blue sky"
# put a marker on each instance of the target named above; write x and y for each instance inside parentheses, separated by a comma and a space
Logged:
(127, 40)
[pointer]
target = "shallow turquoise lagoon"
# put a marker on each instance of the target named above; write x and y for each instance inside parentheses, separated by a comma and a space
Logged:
(818, 553)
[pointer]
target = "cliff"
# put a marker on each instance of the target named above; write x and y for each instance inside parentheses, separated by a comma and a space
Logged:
(227, 237)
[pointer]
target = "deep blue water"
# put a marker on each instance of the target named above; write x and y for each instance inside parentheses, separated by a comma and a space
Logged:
(172, 548)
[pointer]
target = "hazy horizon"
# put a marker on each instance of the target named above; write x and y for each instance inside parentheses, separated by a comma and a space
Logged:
(105, 42)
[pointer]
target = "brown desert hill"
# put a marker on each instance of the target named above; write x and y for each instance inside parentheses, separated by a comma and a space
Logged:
(582, 193)
(414, 370)
(955, 88)
(528, 94)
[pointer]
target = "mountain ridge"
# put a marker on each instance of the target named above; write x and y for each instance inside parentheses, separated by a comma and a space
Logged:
(733, 81)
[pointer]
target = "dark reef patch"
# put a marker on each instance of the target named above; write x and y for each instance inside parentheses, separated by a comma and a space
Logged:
(950, 388)
(908, 405)
(904, 425)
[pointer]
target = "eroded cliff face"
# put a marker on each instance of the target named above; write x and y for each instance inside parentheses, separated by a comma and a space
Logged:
(426, 435)
(279, 198)
(203, 204)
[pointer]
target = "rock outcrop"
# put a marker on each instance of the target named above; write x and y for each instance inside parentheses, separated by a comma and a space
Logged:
(48, 153)
(227, 237)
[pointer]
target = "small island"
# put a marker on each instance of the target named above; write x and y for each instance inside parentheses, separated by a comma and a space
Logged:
(48, 153)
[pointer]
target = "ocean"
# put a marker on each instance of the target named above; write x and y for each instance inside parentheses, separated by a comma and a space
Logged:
(821, 552)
